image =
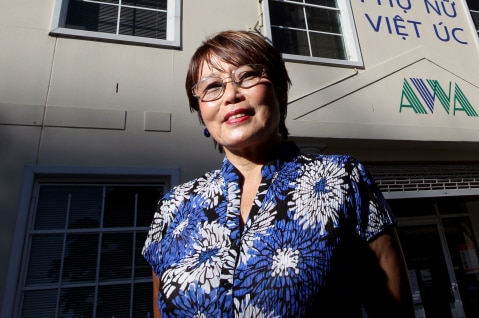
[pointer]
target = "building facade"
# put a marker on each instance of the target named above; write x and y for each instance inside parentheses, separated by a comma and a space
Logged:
(95, 127)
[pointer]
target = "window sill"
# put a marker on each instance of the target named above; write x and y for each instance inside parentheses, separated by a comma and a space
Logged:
(319, 60)
(107, 37)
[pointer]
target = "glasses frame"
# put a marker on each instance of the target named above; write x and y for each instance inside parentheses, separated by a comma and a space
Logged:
(224, 82)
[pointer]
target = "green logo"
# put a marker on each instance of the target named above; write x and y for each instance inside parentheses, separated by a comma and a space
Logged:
(428, 91)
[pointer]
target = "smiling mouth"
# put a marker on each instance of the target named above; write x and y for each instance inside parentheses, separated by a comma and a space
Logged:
(239, 114)
(236, 116)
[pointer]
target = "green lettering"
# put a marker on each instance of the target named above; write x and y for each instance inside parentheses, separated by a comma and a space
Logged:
(461, 99)
(414, 102)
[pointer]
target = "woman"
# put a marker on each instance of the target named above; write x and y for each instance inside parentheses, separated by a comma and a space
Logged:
(273, 233)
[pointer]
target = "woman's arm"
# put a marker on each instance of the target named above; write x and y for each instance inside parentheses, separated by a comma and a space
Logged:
(156, 287)
(387, 249)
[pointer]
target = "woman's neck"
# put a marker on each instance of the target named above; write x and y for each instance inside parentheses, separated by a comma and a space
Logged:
(248, 161)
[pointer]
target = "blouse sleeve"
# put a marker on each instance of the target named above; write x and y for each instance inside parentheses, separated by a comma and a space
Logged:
(372, 211)
(152, 251)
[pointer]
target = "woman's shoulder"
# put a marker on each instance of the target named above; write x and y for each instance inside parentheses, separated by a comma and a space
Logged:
(332, 164)
(340, 159)
(208, 178)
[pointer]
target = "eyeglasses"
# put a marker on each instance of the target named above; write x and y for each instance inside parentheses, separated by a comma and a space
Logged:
(212, 87)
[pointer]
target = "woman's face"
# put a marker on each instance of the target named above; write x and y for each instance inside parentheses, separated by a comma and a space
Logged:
(243, 119)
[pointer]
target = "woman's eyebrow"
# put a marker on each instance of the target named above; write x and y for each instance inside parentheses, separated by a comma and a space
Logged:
(215, 74)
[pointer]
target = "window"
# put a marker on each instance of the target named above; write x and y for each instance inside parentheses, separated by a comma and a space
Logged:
(83, 250)
(313, 30)
(474, 9)
(153, 22)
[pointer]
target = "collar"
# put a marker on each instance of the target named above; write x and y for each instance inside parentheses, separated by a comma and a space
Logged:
(286, 153)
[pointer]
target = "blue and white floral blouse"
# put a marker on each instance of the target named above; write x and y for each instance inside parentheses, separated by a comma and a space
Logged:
(302, 252)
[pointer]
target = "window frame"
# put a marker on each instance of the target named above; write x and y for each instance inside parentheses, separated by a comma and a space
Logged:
(351, 41)
(474, 14)
(173, 28)
(474, 18)
(35, 175)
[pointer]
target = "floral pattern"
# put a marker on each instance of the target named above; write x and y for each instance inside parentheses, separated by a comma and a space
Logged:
(308, 212)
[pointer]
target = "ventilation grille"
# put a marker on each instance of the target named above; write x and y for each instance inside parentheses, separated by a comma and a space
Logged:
(425, 178)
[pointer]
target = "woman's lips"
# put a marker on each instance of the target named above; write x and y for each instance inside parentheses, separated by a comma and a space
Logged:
(238, 115)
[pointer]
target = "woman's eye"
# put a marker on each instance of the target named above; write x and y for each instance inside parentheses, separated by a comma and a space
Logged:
(213, 86)
(247, 75)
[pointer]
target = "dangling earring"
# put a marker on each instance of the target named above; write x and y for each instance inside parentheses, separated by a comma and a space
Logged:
(206, 133)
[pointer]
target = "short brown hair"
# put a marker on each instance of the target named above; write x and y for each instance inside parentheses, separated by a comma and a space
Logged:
(239, 48)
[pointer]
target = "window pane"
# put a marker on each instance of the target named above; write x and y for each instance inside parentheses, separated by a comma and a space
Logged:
(114, 301)
(142, 268)
(153, 4)
(472, 204)
(77, 302)
(291, 41)
(86, 206)
(52, 207)
(116, 256)
(412, 207)
(147, 201)
(323, 20)
(144, 23)
(81, 258)
(451, 205)
(287, 15)
(327, 46)
(465, 259)
(45, 260)
(473, 4)
(92, 16)
(475, 18)
(39, 303)
(120, 206)
(458, 205)
(142, 304)
(326, 3)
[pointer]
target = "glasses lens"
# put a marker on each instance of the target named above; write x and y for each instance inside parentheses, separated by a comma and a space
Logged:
(247, 76)
(209, 88)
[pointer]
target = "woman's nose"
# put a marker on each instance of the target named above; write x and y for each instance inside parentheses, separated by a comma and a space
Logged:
(231, 90)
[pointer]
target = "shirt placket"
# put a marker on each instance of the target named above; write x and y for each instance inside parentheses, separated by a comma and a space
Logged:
(232, 195)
